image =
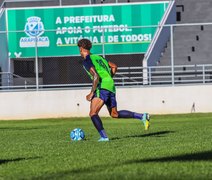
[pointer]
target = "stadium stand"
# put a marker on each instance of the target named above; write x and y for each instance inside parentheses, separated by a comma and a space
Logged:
(192, 44)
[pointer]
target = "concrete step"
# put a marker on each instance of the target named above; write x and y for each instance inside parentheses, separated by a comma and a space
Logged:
(184, 60)
(204, 45)
(187, 29)
(197, 11)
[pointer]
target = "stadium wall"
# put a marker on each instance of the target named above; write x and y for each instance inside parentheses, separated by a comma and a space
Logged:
(72, 103)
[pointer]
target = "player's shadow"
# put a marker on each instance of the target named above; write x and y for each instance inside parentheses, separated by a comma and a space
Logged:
(201, 156)
(5, 161)
(155, 134)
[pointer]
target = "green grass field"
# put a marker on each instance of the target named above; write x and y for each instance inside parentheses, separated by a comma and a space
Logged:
(175, 147)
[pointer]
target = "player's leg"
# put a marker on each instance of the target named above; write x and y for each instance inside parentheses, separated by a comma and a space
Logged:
(112, 108)
(95, 107)
(129, 114)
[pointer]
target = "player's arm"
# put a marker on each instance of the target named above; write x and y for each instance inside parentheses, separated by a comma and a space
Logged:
(113, 68)
(94, 83)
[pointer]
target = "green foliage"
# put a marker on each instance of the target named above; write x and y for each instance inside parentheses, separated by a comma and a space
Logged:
(175, 147)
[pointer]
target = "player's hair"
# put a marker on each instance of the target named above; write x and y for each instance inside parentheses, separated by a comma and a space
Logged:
(85, 43)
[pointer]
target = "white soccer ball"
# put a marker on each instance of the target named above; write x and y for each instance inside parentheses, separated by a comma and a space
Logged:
(77, 134)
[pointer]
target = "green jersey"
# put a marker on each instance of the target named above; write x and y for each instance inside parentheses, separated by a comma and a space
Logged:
(103, 69)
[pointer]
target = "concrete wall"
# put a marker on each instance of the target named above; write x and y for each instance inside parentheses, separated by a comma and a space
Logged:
(67, 103)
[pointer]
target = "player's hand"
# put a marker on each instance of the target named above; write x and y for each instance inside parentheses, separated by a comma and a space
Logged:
(90, 96)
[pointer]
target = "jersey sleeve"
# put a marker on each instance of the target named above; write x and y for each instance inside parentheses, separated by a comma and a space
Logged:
(88, 63)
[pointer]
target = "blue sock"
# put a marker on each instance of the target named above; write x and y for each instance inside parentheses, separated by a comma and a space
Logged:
(138, 116)
(98, 125)
(103, 133)
(125, 114)
(129, 114)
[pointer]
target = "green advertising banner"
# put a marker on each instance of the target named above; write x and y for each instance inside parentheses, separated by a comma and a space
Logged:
(113, 29)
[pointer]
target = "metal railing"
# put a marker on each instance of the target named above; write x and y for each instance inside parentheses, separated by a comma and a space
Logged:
(21, 82)
(162, 75)
(156, 75)
(11, 81)
(130, 76)
(2, 8)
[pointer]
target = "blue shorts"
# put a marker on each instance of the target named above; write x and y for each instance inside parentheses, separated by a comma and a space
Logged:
(108, 97)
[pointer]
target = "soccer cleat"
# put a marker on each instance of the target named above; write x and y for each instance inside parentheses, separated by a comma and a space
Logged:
(103, 139)
(145, 119)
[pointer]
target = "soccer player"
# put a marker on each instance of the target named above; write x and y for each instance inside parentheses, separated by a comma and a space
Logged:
(103, 90)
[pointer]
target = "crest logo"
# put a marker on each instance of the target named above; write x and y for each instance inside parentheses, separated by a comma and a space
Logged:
(34, 28)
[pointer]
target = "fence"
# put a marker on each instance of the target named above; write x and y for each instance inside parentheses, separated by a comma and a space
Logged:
(185, 60)
(130, 76)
